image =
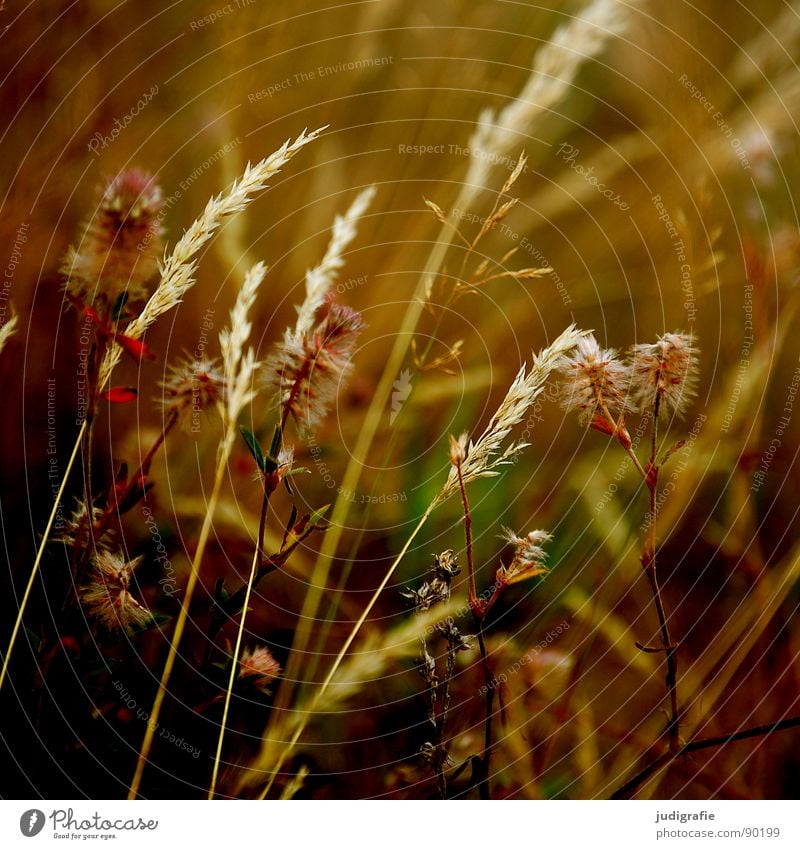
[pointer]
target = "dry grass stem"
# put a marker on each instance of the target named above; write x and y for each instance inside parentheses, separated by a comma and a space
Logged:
(176, 279)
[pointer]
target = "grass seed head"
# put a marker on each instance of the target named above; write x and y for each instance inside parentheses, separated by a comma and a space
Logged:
(529, 557)
(595, 381)
(193, 386)
(309, 367)
(664, 374)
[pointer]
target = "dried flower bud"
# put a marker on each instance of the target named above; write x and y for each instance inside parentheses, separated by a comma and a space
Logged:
(529, 557)
(121, 245)
(596, 381)
(445, 566)
(192, 387)
(259, 667)
(309, 366)
(76, 531)
(458, 449)
(457, 641)
(435, 756)
(428, 595)
(426, 666)
(107, 598)
(664, 374)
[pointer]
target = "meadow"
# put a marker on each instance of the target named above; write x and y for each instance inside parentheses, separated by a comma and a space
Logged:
(400, 400)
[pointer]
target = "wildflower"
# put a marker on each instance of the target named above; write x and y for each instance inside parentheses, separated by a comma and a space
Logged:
(193, 386)
(664, 374)
(259, 667)
(121, 245)
(597, 383)
(107, 598)
(529, 557)
(309, 366)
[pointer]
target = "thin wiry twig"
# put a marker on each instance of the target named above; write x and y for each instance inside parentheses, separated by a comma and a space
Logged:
(697, 745)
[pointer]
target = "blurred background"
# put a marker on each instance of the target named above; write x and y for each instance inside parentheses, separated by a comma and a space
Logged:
(660, 188)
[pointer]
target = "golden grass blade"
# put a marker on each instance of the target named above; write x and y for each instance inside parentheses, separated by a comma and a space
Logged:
(37, 562)
(554, 69)
(180, 624)
(232, 678)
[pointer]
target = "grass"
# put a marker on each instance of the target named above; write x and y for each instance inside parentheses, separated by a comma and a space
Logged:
(463, 266)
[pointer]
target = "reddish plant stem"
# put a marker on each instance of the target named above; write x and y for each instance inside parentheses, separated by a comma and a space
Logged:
(670, 649)
(478, 614)
(473, 592)
(648, 560)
